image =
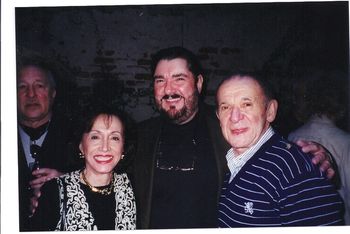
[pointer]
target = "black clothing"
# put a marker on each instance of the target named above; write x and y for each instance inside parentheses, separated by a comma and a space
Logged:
(56, 153)
(66, 204)
(35, 133)
(190, 198)
(101, 205)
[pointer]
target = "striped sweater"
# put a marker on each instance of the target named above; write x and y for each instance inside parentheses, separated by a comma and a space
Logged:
(279, 186)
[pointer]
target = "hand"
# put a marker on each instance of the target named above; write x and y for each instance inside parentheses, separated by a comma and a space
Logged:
(34, 201)
(42, 175)
(320, 157)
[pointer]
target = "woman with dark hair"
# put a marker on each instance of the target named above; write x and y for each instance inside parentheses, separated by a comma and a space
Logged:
(95, 197)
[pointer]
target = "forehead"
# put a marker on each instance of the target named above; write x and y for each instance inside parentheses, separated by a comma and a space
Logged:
(107, 122)
(239, 87)
(31, 73)
(172, 65)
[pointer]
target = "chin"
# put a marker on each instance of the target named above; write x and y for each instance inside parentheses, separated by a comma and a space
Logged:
(33, 115)
(105, 170)
(236, 144)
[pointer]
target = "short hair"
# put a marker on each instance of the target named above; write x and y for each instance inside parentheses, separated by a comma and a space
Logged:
(40, 64)
(262, 81)
(170, 53)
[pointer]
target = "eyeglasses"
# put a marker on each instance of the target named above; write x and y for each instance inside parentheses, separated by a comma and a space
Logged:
(35, 152)
(184, 164)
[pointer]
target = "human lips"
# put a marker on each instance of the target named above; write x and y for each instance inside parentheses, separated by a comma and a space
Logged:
(238, 131)
(103, 159)
(34, 104)
(171, 98)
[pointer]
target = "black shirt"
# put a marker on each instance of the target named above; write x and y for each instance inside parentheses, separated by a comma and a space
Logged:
(47, 215)
(185, 179)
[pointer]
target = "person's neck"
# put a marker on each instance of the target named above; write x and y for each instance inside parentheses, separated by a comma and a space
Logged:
(35, 123)
(188, 119)
(97, 180)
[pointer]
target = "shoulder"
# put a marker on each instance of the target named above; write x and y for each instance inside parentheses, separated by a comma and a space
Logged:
(73, 176)
(289, 158)
(122, 179)
(207, 110)
(123, 184)
(56, 182)
(208, 113)
(149, 123)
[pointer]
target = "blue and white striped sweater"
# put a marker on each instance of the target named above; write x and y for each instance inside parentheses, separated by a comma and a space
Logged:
(279, 186)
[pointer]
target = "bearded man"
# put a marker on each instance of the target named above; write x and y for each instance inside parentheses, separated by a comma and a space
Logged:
(180, 160)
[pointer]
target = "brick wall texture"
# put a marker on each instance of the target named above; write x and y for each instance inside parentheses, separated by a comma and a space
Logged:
(106, 50)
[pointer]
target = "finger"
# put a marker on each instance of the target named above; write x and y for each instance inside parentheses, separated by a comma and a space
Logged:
(330, 173)
(325, 166)
(40, 172)
(48, 178)
(37, 193)
(36, 186)
(53, 173)
(316, 159)
(310, 148)
(301, 143)
(34, 204)
(38, 181)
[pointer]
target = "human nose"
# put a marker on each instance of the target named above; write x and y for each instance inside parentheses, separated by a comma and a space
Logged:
(105, 145)
(30, 91)
(236, 114)
(168, 87)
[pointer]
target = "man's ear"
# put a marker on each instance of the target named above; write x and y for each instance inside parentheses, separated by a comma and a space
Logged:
(199, 83)
(53, 94)
(81, 148)
(271, 110)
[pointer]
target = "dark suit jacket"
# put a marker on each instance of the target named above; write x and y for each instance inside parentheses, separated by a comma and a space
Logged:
(57, 152)
(144, 161)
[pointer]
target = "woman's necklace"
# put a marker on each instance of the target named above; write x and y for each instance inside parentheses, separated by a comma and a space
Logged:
(105, 191)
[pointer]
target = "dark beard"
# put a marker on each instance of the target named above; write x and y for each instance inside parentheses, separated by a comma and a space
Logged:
(182, 115)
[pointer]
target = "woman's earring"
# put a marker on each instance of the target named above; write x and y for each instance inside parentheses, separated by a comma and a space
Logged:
(81, 155)
(122, 156)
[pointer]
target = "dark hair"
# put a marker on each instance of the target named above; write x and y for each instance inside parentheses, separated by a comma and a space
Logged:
(40, 64)
(177, 52)
(263, 82)
(320, 93)
(87, 120)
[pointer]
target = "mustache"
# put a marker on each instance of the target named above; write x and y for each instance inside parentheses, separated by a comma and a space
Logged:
(171, 96)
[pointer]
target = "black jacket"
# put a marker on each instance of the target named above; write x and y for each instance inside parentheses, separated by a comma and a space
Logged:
(57, 153)
(144, 161)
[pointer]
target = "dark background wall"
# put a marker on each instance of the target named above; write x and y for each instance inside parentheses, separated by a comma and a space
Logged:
(103, 52)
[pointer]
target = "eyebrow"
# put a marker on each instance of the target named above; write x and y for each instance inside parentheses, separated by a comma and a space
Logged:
(179, 75)
(97, 131)
(172, 76)
(247, 99)
(35, 81)
(242, 99)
